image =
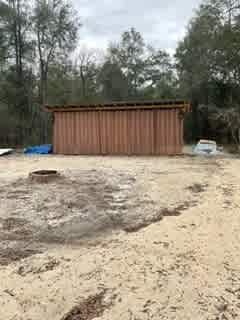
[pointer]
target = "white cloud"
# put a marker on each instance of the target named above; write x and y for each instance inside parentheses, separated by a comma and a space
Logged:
(162, 24)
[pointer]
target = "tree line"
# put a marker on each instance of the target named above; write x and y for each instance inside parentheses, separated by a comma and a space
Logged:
(208, 64)
(41, 62)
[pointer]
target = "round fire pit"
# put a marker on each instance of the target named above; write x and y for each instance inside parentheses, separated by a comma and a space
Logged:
(44, 176)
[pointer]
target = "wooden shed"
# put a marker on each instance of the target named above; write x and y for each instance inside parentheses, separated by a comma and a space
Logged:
(124, 128)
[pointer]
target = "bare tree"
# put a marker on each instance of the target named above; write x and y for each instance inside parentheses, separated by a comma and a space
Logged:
(229, 8)
(56, 27)
(86, 65)
(227, 118)
(231, 119)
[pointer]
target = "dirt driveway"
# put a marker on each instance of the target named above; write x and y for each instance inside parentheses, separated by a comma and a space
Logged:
(120, 238)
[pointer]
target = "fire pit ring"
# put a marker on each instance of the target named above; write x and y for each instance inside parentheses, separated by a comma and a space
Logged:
(44, 176)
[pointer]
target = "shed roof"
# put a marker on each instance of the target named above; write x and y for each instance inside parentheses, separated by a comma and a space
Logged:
(122, 105)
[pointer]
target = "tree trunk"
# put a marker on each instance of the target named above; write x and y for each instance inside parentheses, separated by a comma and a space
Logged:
(43, 96)
(43, 100)
(239, 139)
(20, 42)
(83, 83)
(195, 119)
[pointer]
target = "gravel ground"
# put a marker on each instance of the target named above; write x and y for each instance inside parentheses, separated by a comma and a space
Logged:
(120, 238)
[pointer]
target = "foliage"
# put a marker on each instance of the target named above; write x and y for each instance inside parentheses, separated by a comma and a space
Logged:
(33, 36)
(208, 62)
(55, 27)
(113, 82)
(39, 64)
(137, 69)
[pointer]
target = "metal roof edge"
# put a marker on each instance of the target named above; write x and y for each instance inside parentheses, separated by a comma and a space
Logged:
(123, 105)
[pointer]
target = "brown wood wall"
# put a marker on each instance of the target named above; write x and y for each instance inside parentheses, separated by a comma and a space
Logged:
(129, 132)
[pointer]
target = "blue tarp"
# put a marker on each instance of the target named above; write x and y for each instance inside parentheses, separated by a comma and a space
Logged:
(43, 149)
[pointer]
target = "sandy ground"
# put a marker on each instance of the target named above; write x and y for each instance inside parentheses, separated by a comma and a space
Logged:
(134, 238)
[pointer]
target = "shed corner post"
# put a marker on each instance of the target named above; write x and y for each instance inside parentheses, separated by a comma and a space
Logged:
(100, 131)
(53, 132)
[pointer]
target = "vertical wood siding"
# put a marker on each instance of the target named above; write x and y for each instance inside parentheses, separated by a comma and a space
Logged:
(126, 132)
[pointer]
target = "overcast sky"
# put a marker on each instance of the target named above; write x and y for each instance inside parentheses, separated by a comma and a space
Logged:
(161, 22)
